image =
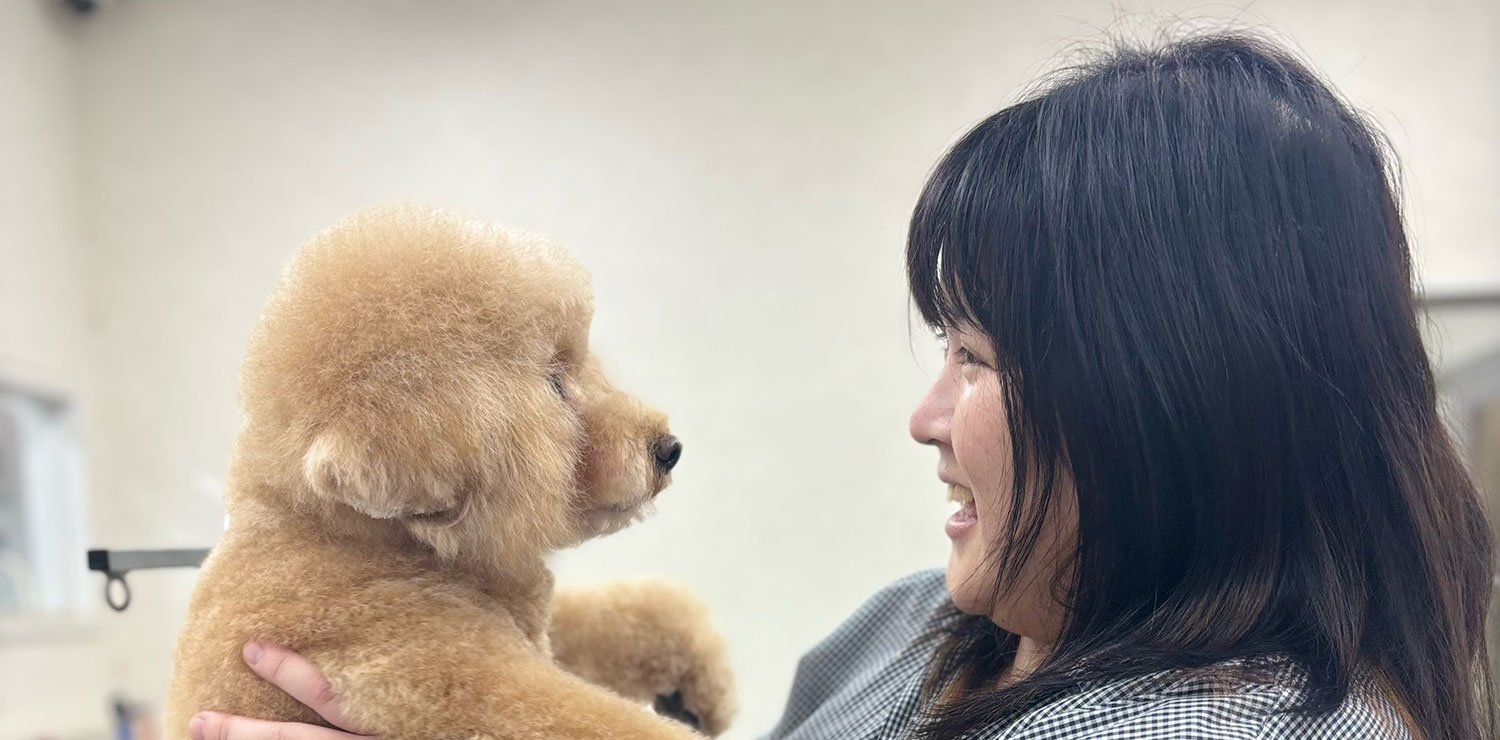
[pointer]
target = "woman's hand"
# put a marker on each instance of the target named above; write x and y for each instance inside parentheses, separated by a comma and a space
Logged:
(302, 681)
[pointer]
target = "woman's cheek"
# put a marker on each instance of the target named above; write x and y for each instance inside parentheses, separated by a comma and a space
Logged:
(981, 442)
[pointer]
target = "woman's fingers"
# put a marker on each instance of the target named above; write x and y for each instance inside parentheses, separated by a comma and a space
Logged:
(301, 680)
(216, 726)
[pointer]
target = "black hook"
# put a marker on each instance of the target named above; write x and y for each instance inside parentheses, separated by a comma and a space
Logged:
(114, 564)
(109, 592)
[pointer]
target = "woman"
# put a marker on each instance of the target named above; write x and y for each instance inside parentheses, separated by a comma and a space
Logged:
(1205, 489)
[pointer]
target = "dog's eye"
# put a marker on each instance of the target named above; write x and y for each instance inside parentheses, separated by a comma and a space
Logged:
(555, 379)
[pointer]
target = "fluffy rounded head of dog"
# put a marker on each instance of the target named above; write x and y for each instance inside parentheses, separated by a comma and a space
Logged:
(423, 369)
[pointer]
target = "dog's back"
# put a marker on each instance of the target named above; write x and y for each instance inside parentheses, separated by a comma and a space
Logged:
(237, 599)
(292, 585)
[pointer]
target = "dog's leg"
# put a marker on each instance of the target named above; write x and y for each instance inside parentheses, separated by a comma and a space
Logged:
(649, 641)
(457, 684)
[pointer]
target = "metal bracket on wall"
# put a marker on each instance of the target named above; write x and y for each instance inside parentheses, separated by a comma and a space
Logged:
(114, 564)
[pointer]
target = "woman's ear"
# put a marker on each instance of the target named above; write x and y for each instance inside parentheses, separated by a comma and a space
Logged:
(380, 480)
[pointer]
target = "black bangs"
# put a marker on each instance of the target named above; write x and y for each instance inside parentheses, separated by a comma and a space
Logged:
(974, 224)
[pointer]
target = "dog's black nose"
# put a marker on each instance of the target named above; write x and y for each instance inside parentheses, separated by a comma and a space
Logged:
(666, 449)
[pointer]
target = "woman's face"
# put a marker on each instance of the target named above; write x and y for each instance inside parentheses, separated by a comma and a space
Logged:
(963, 415)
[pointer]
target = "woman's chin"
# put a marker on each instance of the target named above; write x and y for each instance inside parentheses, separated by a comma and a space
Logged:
(964, 587)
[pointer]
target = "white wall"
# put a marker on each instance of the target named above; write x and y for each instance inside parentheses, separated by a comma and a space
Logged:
(51, 671)
(737, 176)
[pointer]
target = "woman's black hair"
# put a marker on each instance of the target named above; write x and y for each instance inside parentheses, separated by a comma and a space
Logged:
(1192, 264)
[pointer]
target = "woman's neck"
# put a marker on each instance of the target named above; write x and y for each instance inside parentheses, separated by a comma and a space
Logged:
(1029, 656)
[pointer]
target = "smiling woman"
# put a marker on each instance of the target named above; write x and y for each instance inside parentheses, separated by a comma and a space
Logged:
(965, 417)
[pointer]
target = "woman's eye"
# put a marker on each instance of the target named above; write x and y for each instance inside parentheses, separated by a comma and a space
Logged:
(556, 380)
(965, 357)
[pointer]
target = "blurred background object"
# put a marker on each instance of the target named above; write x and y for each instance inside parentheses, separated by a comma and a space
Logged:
(736, 175)
(1463, 336)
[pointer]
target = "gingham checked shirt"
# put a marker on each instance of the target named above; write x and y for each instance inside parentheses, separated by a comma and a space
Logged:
(862, 683)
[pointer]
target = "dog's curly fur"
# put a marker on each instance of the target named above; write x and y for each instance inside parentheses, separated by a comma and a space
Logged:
(423, 423)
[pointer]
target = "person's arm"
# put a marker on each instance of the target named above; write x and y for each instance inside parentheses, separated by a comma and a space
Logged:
(302, 681)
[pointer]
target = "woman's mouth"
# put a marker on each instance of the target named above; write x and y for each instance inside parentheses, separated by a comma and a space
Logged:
(967, 515)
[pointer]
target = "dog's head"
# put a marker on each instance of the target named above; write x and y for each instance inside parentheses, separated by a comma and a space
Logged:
(417, 367)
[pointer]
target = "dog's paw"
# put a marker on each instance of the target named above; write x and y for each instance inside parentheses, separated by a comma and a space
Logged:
(672, 706)
(704, 698)
(650, 641)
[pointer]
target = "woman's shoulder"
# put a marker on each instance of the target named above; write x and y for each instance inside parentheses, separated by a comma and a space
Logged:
(889, 620)
(847, 684)
(1217, 703)
(915, 596)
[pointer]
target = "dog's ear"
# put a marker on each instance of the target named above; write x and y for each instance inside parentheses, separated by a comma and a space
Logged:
(373, 477)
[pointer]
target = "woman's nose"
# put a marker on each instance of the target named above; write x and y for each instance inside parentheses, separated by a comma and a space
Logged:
(929, 420)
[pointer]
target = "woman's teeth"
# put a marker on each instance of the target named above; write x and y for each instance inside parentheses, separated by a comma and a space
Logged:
(959, 493)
